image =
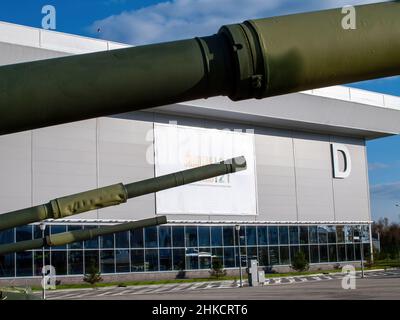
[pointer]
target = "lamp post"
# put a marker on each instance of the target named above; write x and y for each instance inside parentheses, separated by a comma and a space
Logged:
(237, 227)
(360, 236)
(43, 228)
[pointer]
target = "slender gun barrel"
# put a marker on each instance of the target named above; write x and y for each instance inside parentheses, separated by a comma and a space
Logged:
(79, 235)
(254, 59)
(116, 194)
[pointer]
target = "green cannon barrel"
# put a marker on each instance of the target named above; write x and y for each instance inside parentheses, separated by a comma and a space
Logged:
(78, 236)
(116, 194)
(254, 59)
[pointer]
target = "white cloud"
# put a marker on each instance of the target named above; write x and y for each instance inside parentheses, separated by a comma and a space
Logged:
(386, 191)
(180, 19)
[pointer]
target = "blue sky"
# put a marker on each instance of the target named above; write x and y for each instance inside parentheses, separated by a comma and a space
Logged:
(148, 21)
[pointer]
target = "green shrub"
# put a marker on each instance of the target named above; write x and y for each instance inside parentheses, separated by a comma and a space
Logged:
(217, 268)
(93, 275)
(300, 263)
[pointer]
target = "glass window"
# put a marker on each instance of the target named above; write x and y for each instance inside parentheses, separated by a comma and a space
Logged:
(303, 235)
(122, 260)
(273, 255)
(273, 235)
(122, 239)
(323, 253)
(75, 245)
(165, 259)
(284, 255)
(192, 262)
(59, 261)
(332, 253)
(252, 253)
(205, 260)
(306, 250)
(137, 238)
(229, 237)
(7, 236)
(313, 233)
(217, 252)
(164, 237)
(216, 236)
(229, 257)
(37, 233)
(107, 261)
(38, 261)
(340, 234)
(262, 236)
(350, 252)
(107, 241)
(7, 264)
(151, 260)
(293, 251)
(242, 236)
(341, 252)
(283, 235)
(314, 254)
(191, 236)
(178, 236)
(357, 251)
(137, 260)
(91, 260)
(150, 237)
(24, 233)
(59, 229)
(365, 234)
(367, 251)
(179, 259)
(332, 234)
(322, 234)
(204, 236)
(294, 235)
(24, 264)
(92, 243)
(251, 236)
(348, 233)
(263, 256)
(75, 262)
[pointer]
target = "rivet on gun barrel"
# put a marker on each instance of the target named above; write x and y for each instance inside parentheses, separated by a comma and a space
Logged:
(255, 59)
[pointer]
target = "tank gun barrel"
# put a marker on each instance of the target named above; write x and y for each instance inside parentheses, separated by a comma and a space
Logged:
(116, 194)
(255, 59)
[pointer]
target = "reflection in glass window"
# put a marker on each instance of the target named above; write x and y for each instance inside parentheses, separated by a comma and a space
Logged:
(165, 259)
(75, 245)
(348, 233)
(137, 238)
(122, 239)
(91, 260)
(367, 251)
(263, 256)
(59, 229)
(7, 264)
(284, 254)
(191, 236)
(205, 260)
(294, 235)
(179, 259)
(323, 253)
(38, 261)
(306, 250)
(164, 237)
(204, 236)
(151, 260)
(273, 255)
(283, 235)
(75, 262)
(122, 260)
(192, 262)
(262, 236)
(303, 235)
(332, 253)
(107, 261)
(7, 236)
(313, 233)
(365, 233)
(331, 234)
(92, 243)
(59, 261)
(341, 252)
(357, 252)
(251, 236)
(229, 257)
(273, 235)
(24, 233)
(150, 237)
(340, 236)
(216, 236)
(178, 236)
(38, 234)
(137, 260)
(350, 252)
(314, 254)
(293, 251)
(252, 253)
(107, 241)
(229, 238)
(24, 264)
(322, 234)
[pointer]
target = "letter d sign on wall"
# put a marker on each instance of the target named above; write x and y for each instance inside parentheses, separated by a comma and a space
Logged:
(338, 172)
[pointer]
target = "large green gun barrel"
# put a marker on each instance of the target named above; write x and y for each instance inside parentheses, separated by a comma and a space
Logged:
(79, 235)
(254, 59)
(116, 194)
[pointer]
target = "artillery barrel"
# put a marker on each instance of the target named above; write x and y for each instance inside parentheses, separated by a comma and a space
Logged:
(116, 194)
(255, 59)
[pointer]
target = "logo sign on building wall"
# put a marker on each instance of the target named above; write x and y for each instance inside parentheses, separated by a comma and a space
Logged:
(341, 161)
(179, 148)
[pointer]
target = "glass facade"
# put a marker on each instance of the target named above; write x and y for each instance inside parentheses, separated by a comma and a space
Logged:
(185, 247)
